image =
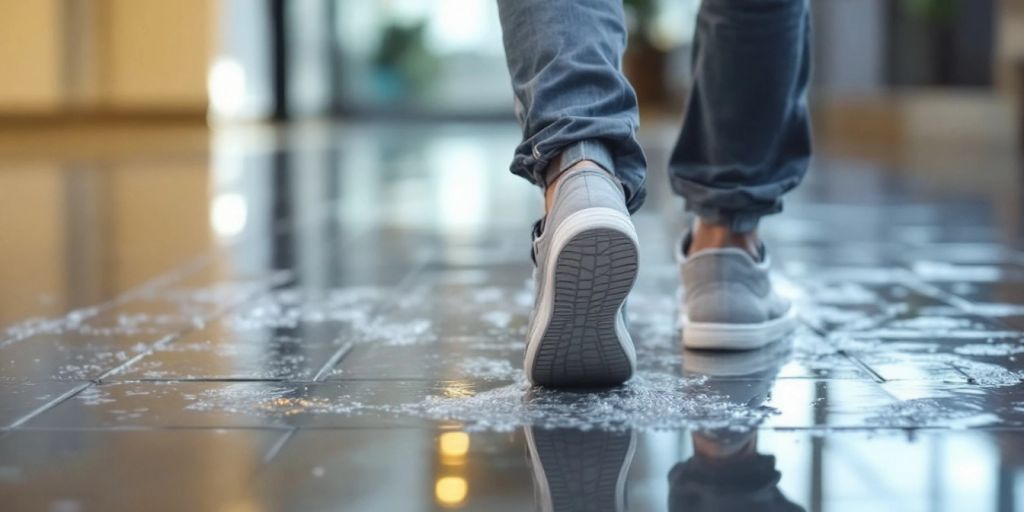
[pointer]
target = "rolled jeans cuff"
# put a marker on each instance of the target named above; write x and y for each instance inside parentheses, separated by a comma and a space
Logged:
(569, 156)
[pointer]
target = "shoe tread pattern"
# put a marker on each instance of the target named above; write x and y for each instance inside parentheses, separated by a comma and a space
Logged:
(582, 468)
(594, 273)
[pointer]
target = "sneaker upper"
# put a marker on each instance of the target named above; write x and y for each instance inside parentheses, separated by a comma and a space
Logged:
(727, 286)
(576, 190)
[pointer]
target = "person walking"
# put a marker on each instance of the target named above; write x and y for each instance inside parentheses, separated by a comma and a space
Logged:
(745, 141)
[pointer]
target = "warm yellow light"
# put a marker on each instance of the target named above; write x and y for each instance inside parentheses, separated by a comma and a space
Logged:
(458, 389)
(451, 490)
(454, 446)
(242, 506)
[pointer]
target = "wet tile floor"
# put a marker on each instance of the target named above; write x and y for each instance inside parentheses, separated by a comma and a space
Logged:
(334, 320)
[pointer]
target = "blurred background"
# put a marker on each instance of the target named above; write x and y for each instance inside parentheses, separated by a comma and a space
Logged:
(136, 133)
(233, 60)
(139, 138)
(141, 111)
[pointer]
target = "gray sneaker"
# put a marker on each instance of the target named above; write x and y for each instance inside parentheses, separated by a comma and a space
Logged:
(585, 257)
(728, 301)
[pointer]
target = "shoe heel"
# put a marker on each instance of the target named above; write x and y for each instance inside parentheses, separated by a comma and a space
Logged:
(585, 343)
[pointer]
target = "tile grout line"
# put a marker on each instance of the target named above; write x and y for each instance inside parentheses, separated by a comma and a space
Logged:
(962, 304)
(911, 280)
(226, 310)
(160, 343)
(877, 377)
(915, 283)
(301, 382)
(853, 359)
(157, 282)
(51, 404)
(155, 380)
(336, 358)
(279, 445)
(825, 337)
(957, 302)
(171, 338)
(155, 428)
(961, 371)
(153, 284)
(333, 361)
(376, 312)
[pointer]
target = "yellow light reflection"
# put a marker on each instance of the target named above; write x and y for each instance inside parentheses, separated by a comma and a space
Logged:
(242, 506)
(458, 389)
(451, 491)
(290, 406)
(453, 447)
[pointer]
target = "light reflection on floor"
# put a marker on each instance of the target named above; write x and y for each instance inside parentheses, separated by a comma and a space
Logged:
(332, 318)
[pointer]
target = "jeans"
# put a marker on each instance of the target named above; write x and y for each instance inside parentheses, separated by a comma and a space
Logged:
(745, 139)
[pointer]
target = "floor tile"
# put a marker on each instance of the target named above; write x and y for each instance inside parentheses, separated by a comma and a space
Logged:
(361, 348)
(451, 359)
(88, 345)
(126, 470)
(441, 469)
(286, 334)
(20, 400)
(447, 469)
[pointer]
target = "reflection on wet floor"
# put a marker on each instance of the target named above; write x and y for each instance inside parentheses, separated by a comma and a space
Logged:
(334, 319)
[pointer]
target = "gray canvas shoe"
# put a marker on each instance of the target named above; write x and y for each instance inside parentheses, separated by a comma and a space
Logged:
(728, 301)
(585, 257)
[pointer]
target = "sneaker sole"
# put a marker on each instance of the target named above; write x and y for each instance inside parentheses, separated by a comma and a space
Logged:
(579, 338)
(577, 470)
(715, 336)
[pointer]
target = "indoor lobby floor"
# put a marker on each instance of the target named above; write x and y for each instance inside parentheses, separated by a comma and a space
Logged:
(332, 318)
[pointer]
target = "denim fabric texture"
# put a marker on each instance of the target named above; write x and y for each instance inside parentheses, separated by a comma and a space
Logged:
(745, 139)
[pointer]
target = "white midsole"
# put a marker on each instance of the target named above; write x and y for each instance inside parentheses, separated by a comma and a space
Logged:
(620, 483)
(724, 336)
(583, 220)
(539, 476)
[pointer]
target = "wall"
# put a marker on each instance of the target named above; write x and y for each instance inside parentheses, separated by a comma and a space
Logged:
(30, 56)
(155, 53)
(142, 56)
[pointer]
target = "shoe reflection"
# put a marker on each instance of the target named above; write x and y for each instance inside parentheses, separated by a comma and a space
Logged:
(726, 472)
(580, 471)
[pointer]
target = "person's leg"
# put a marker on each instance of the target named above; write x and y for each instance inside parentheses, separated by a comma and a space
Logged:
(746, 136)
(579, 119)
(745, 142)
(571, 98)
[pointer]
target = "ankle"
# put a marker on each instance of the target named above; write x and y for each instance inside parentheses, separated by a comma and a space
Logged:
(718, 236)
(555, 175)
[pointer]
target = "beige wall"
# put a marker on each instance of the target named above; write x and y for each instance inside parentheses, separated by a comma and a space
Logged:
(155, 53)
(105, 55)
(30, 55)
